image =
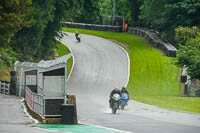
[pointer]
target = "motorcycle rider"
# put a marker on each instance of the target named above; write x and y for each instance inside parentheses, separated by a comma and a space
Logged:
(77, 35)
(115, 91)
(123, 90)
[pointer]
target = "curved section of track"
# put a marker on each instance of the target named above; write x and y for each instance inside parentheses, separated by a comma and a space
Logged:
(100, 66)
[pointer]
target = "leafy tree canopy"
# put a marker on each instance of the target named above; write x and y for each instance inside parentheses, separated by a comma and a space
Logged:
(165, 16)
(39, 40)
(13, 16)
(189, 51)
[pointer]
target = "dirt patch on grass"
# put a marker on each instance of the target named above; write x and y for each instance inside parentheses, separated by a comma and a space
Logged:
(125, 46)
(162, 53)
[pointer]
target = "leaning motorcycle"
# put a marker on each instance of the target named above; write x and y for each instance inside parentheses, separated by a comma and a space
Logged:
(78, 38)
(124, 100)
(115, 103)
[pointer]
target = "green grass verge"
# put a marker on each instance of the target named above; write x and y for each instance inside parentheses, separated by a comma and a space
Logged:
(63, 50)
(154, 79)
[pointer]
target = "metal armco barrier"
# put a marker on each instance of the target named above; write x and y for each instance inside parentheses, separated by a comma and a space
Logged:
(4, 88)
(156, 40)
(93, 27)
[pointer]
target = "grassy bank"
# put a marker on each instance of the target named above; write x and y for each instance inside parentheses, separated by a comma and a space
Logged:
(154, 79)
(63, 50)
(4, 74)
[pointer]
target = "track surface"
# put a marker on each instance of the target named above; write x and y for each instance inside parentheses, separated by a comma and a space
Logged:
(13, 119)
(100, 66)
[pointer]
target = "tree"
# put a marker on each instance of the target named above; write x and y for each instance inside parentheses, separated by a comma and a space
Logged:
(189, 51)
(134, 6)
(122, 9)
(166, 15)
(151, 11)
(38, 41)
(13, 16)
(106, 10)
(179, 13)
(183, 34)
(88, 12)
(52, 30)
(118, 7)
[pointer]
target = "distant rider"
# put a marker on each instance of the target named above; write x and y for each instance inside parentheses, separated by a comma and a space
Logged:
(115, 91)
(76, 34)
(78, 37)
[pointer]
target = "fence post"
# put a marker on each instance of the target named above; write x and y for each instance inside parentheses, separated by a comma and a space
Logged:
(8, 89)
(4, 88)
(0, 86)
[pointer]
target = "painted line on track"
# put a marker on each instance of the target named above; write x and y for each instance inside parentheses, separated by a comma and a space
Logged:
(26, 112)
(112, 129)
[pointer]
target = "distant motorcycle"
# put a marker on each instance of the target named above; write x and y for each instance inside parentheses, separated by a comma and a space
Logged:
(124, 100)
(78, 37)
(115, 103)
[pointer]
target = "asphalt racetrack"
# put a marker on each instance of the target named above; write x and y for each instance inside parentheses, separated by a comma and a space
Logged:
(100, 66)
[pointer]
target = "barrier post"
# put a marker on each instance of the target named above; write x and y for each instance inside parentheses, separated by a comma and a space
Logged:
(4, 88)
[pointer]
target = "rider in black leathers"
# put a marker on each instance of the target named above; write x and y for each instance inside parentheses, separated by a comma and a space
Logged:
(77, 36)
(115, 91)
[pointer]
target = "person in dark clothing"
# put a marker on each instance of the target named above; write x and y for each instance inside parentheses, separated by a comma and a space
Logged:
(115, 91)
(123, 90)
(78, 37)
(76, 34)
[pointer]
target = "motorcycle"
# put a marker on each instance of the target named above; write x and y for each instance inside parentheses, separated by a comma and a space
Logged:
(115, 103)
(78, 38)
(124, 100)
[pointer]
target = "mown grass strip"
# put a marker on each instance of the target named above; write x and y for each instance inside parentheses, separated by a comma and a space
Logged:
(63, 50)
(154, 78)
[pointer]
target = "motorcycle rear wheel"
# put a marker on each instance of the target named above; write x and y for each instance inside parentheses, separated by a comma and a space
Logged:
(114, 109)
(122, 107)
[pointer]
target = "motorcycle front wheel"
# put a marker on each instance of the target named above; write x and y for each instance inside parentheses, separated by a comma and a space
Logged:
(114, 108)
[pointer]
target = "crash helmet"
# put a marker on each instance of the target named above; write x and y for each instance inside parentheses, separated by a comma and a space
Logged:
(116, 97)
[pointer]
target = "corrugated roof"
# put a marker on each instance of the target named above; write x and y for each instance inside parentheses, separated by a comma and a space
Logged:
(25, 64)
(51, 63)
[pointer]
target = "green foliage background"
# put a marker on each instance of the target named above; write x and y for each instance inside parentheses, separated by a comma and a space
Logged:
(189, 50)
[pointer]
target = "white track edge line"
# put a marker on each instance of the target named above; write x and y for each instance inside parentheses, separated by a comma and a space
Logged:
(112, 129)
(26, 112)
